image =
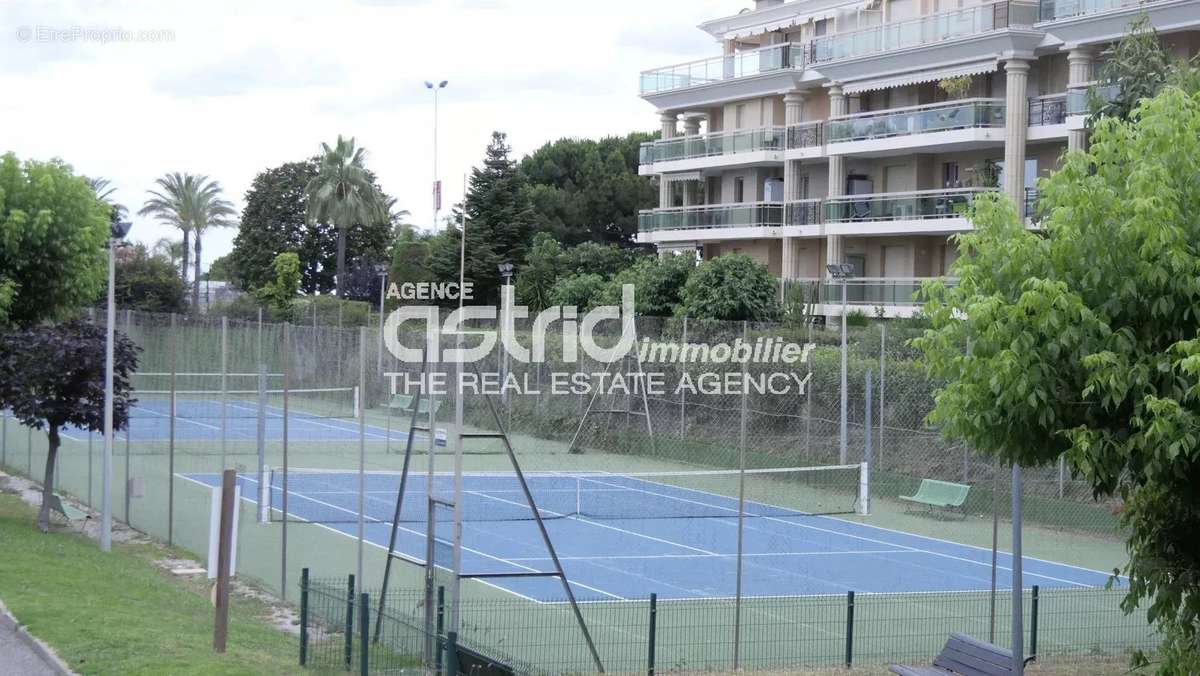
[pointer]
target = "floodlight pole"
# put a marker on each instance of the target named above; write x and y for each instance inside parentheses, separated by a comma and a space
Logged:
(119, 230)
(382, 296)
(506, 273)
(843, 271)
(437, 197)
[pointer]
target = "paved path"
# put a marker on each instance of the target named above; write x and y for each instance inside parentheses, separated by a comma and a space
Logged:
(17, 656)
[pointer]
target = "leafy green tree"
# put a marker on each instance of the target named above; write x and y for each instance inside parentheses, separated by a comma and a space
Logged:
(584, 190)
(170, 250)
(146, 283)
(221, 269)
(544, 266)
(342, 193)
(730, 287)
(280, 295)
(1137, 66)
(605, 260)
(104, 190)
(657, 283)
(52, 376)
(53, 231)
(1084, 342)
(581, 291)
(410, 256)
(193, 204)
(498, 225)
(274, 221)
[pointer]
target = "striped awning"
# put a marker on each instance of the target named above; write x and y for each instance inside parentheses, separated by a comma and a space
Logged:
(682, 176)
(798, 19)
(932, 75)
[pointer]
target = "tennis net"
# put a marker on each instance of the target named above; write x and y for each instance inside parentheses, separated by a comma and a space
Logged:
(332, 496)
(317, 402)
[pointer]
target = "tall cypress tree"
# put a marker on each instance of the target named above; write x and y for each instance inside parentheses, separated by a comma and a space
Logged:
(499, 222)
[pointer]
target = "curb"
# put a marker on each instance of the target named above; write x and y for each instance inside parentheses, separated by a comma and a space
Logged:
(43, 651)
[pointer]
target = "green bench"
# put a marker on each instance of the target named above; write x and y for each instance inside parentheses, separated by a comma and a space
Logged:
(67, 511)
(945, 495)
(404, 404)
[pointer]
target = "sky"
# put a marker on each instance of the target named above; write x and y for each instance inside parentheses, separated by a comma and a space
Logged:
(130, 91)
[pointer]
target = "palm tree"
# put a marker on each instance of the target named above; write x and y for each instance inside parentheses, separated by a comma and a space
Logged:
(193, 204)
(170, 204)
(104, 190)
(342, 194)
(169, 249)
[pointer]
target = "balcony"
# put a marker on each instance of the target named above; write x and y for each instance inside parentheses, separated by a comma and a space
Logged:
(896, 296)
(747, 217)
(721, 68)
(803, 212)
(714, 145)
(967, 114)
(900, 208)
(806, 135)
(922, 31)
(1047, 110)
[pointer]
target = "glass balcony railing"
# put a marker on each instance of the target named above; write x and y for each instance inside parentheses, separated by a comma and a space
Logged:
(710, 145)
(922, 31)
(806, 135)
(902, 291)
(897, 206)
(720, 68)
(750, 214)
(917, 120)
(1052, 10)
(1077, 100)
(1047, 110)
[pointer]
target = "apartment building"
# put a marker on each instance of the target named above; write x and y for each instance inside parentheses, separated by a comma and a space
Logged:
(855, 132)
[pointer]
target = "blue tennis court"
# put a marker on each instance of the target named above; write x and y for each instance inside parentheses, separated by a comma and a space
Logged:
(625, 536)
(328, 417)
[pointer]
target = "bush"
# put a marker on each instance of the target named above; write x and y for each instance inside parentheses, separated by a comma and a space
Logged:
(730, 287)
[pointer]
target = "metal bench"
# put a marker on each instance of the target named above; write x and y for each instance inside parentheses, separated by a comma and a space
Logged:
(966, 656)
(944, 494)
(404, 404)
(67, 511)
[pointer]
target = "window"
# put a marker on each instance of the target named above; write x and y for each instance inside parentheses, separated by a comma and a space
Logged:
(821, 27)
(739, 116)
(950, 175)
(739, 189)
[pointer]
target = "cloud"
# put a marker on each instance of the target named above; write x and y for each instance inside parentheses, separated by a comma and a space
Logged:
(255, 70)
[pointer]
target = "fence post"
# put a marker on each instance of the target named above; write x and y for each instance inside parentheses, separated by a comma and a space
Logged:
(849, 628)
(349, 648)
(1033, 623)
(364, 635)
(651, 638)
(303, 617)
(451, 653)
(441, 626)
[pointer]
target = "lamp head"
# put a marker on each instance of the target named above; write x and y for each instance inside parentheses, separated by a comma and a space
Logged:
(840, 270)
(443, 83)
(428, 84)
(506, 269)
(120, 229)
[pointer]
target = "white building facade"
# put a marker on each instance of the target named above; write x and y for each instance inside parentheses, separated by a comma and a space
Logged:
(822, 135)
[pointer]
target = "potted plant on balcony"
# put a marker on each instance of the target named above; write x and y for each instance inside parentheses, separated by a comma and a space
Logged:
(956, 88)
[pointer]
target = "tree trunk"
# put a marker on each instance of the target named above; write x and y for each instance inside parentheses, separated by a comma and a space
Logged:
(43, 520)
(341, 260)
(183, 266)
(196, 278)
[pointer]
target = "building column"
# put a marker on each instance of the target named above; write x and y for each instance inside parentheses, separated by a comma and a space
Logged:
(669, 131)
(691, 129)
(793, 114)
(1016, 129)
(837, 175)
(1079, 73)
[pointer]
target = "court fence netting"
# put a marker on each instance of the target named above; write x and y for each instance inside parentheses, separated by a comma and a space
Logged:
(311, 404)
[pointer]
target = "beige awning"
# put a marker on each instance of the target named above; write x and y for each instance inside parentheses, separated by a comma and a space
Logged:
(682, 176)
(975, 68)
(799, 19)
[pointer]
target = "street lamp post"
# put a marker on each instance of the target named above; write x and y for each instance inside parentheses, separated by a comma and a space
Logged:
(843, 271)
(382, 271)
(506, 273)
(119, 230)
(437, 186)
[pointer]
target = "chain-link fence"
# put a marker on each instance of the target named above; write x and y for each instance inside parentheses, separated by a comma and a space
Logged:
(663, 477)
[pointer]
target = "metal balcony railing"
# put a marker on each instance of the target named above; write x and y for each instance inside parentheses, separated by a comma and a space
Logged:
(720, 68)
(874, 291)
(923, 30)
(916, 120)
(806, 135)
(1045, 110)
(710, 145)
(896, 206)
(741, 215)
(803, 212)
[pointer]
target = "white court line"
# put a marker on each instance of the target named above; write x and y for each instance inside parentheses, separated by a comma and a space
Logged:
(850, 535)
(718, 556)
(164, 415)
(292, 418)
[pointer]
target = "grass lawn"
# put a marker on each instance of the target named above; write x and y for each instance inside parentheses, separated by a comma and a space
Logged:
(119, 613)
